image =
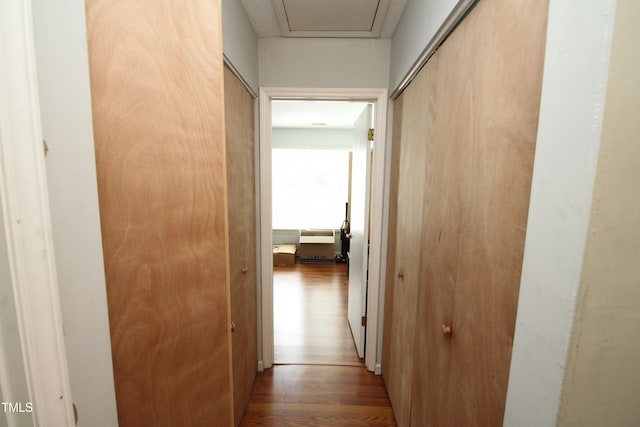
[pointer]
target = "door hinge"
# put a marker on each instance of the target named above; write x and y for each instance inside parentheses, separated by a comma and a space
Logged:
(370, 135)
(364, 321)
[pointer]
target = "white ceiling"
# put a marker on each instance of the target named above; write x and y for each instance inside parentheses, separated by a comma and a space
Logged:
(326, 18)
(311, 114)
(321, 18)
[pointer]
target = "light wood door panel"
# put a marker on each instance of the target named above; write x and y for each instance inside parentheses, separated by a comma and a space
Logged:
(391, 358)
(156, 83)
(442, 206)
(242, 237)
(498, 164)
(404, 283)
(472, 115)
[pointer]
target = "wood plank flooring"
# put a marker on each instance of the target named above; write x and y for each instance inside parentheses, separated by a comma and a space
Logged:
(310, 315)
(313, 395)
(319, 380)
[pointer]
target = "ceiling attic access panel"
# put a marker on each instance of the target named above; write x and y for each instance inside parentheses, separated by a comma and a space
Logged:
(331, 18)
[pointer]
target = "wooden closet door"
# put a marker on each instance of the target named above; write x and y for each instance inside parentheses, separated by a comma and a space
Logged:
(242, 238)
(483, 95)
(402, 287)
(500, 160)
(157, 99)
(432, 349)
(390, 355)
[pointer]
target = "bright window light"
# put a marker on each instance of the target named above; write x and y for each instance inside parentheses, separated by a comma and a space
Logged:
(309, 188)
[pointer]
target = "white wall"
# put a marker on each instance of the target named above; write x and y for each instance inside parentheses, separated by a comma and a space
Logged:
(602, 380)
(573, 93)
(312, 138)
(13, 382)
(324, 63)
(239, 42)
(63, 78)
(419, 23)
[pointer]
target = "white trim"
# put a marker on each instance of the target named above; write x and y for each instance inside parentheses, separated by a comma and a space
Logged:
(378, 369)
(377, 236)
(258, 266)
(385, 232)
(380, 97)
(25, 204)
(237, 73)
(574, 83)
(456, 16)
(266, 254)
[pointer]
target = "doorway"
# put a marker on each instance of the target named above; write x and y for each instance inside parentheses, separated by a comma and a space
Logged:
(372, 299)
(320, 170)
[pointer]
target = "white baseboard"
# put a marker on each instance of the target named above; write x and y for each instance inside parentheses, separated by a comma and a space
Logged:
(260, 366)
(377, 369)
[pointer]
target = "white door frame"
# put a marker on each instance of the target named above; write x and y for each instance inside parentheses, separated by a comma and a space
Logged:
(379, 96)
(25, 204)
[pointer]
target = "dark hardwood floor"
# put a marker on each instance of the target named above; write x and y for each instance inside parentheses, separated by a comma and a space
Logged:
(318, 379)
(315, 395)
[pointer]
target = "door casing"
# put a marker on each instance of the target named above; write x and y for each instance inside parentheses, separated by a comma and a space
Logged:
(26, 219)
(378, 214)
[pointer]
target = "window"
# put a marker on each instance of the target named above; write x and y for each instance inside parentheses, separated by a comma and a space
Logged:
(309, 188)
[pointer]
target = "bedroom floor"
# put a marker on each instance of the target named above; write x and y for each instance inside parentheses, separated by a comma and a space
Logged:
(310, 315)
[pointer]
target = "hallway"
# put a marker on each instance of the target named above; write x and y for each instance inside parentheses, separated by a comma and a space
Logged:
(315, 395)
(317, 379)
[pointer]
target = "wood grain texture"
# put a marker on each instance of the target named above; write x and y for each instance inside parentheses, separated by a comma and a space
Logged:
(471, 115)
(157, 98)
(440, 245)
(390, 273)
(239, 125)
(405, 280)
(310, 315)
(298, 395)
